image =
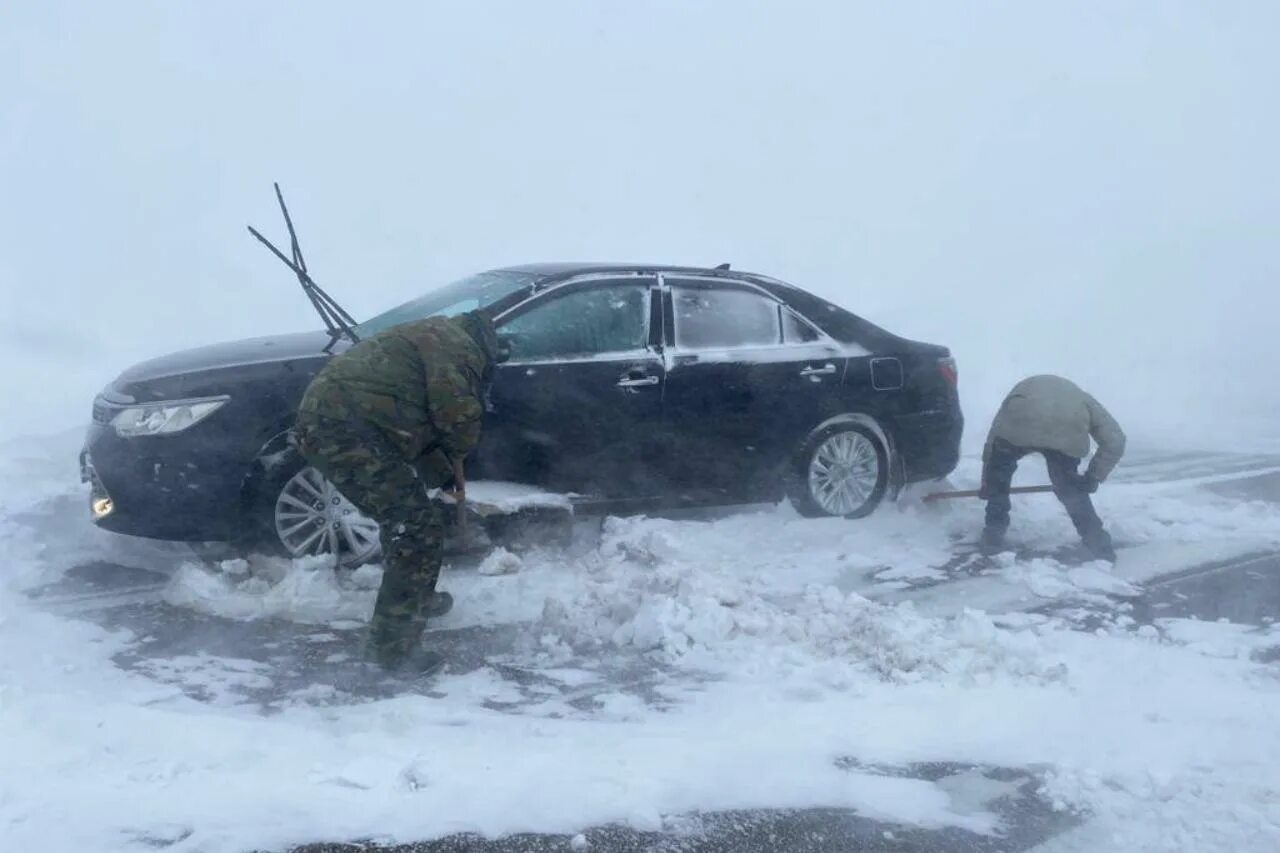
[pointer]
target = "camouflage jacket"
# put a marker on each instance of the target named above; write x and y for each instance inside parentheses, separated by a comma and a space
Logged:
(421, 382)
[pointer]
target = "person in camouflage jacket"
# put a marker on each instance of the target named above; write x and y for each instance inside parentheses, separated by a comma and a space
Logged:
(386, 422)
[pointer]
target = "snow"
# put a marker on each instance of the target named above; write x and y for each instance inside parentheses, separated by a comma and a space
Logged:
(500, 562)
(1221, 638)
(661, 668)
(679, 358)
(214, 678)
(511, 497)
(1015, 181)
(305, 591)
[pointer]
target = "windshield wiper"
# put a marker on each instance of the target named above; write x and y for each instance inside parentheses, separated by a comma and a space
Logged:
(337, 321)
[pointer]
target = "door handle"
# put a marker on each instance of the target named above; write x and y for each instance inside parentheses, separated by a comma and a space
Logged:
(637, 381)
(826, 370)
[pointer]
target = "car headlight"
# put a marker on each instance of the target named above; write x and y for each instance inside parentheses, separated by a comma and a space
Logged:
(164, 418)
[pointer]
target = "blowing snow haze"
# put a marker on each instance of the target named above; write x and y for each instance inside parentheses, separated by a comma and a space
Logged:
(1088, 189)
(1084, 188)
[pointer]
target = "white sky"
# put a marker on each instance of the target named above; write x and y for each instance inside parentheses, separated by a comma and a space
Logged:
(1086, 188)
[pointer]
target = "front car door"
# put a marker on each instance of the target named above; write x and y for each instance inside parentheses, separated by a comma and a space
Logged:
(747, 379)
(575, 405)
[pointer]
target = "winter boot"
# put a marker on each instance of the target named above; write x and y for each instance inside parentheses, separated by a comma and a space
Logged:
(418, 663)
(1099, 546)
(412, 662)
(991, 541)
(439, 604)
(421, 663)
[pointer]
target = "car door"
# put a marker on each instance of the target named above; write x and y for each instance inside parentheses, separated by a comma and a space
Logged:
(576, 404)
(747, 379)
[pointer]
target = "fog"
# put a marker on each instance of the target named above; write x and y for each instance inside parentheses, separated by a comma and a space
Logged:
(1084, 188)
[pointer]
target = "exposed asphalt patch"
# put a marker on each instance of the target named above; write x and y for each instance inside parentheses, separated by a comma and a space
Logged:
(1265, 487)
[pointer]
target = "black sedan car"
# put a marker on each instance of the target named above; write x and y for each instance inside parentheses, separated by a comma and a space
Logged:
(631, 386)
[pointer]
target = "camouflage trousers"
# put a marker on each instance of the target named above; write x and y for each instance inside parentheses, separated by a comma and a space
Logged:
(364, 464)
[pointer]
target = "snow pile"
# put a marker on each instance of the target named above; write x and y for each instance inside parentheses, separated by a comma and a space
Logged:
(306, 590)
(1048, 578)
(500, 562)
(641, 593)
(1190, 810)
(1220, 639)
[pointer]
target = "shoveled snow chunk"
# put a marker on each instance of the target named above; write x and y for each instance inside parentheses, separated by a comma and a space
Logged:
(238, 567)
(512, 497)
(1098, 578)
(501, 562)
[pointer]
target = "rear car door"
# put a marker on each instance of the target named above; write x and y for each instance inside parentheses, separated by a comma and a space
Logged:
(576, 404)
(747, 379)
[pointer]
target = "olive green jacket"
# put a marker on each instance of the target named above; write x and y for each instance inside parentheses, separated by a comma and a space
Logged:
(421, 382)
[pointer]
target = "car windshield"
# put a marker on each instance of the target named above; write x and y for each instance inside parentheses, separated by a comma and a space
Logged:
(476, 291)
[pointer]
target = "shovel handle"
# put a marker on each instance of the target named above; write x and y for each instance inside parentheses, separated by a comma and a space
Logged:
(973, 493)
(460, 495)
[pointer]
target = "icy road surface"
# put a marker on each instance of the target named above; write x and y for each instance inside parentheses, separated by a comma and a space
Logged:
(711, 683)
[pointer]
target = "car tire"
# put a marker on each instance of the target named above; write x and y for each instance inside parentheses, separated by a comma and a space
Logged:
(841, 470)
(277, 523)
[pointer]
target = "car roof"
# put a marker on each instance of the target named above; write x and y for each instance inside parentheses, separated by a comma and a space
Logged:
(832, 319)
(551, 270)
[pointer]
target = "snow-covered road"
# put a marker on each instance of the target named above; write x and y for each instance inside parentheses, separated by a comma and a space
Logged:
(658, 669)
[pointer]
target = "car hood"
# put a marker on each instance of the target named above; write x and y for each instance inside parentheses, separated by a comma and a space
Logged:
(303, 345)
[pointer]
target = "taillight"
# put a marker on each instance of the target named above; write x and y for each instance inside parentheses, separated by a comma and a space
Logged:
(947, 366)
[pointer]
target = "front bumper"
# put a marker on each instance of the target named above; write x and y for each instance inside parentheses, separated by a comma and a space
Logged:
(183, 487)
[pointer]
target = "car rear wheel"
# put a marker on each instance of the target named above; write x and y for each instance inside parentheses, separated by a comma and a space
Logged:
(842, 470)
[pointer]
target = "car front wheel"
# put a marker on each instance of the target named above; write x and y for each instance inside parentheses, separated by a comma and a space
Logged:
(291, 510)
(312, 518)
(841, 470)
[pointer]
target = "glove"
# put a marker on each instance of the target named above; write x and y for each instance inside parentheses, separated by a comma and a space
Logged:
(436, 470)
(1088, 484)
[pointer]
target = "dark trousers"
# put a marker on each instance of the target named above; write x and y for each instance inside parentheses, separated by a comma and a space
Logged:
(1068, 485)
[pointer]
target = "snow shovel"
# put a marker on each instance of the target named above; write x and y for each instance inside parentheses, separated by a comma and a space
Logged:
(466, 539)
(973, 493)
(460, 495)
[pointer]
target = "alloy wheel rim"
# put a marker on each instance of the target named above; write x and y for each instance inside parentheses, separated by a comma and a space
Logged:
(314, 519)
(844, 472)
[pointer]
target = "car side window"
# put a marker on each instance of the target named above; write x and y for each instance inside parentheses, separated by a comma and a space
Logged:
(715, 317)
(595, 320)
(795, 330)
